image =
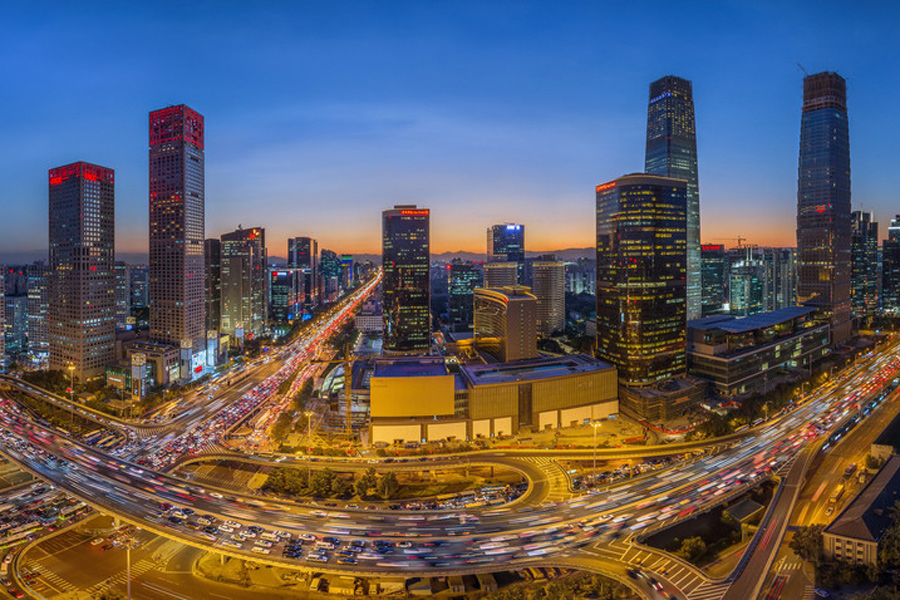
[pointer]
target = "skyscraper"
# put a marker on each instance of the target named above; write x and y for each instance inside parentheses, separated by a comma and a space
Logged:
(890, 271)
(506, 243)
(863, 264)
(550, 290)
(406, 288)
(38, 307)
(245, 296)
(672, 152)
(506, 322)
(462, 278)
(122, 271)
(212, 256)
(82, 324)
(177, 226)
(712, 276)
(641, 231)
(303, 253)
(823, 202)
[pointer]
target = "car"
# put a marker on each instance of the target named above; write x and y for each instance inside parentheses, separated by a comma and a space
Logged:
(347, 560)
(96, 541)
(16, 593)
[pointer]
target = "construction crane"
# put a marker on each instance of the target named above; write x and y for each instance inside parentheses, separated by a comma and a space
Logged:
(348, 383)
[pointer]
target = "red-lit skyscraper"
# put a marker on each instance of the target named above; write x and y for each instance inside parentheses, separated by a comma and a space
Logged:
(81, 321)
(176, 274)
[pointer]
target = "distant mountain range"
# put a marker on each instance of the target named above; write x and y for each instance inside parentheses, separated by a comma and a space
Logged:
(570, 254)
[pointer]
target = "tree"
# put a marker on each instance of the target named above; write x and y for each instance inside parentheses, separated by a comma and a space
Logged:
(320, 483)
(691, 549)
(341, 487)
(366, 483)
(388, 486)
(889, 546)
(807, 543)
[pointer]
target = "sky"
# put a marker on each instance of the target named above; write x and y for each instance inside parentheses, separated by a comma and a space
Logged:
(319, 115)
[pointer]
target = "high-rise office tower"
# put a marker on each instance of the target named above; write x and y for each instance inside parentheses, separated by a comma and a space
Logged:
(823, 202)
(38, 307)
(303, 253)
(330, 269)
(177, 226)
(641, 231)
(747, 286)
(501, 274)
(506, 243)
(245, 295)
(16, 325)
(122, 272)
(285, 294)
(139, 297)
(82, 326)
(672, 152)
(890, 268)
(212, 256)
(549, 288)
(462, 278)
(863, 264)
(406, 289)
(712, 277)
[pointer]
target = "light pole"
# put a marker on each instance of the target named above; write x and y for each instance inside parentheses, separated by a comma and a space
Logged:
(309, 415)
(595, 425)
(72, 394)
(129, 542)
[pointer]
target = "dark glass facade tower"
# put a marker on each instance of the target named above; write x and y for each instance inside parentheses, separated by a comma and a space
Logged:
(38, 307)
(462, 278)
(672, 152)
(506, 243)
(890, 268)
(245, 293)
(863, 264)
(406, 289)
(82, 307)
(641, 272)
(213, 257)
(823, 202)
(303, 253)
(176, 286)
(712, 277)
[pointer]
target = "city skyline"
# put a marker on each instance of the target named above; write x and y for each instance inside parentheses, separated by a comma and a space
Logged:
(492, 133)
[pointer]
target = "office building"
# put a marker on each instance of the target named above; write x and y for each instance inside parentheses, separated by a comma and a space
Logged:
(506, 322)
(38, 308)
(712, 278)
(122, 273)
(581, 277)
(744, 355)
(641, 272)
(139, 294)
(347, 275)
(16, 325)
(549, 287)
(245, 297)
(177, 226)
(285, 294)
(82, 324)
(462, 278)
(747, 285)
(890, 268)
(506, 244)
(672, 152)
(331, 271)
(406, 289)
(501, 274)
(303, 253)
(863, 264)
(212, 258)
(823, 202)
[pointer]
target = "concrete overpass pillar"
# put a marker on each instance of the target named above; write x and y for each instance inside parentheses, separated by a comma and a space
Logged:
(117, 522)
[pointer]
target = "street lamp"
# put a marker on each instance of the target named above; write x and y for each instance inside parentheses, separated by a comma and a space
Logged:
(130, 543)
(595, 425)
(71, 368)
(309, 415)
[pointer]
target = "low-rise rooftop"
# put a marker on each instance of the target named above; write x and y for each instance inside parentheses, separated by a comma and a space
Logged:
(532, 369)
(869, 515)
(410, 367)
(733, 324)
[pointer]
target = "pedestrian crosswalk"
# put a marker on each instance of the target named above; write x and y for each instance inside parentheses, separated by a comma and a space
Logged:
(119, 579)
(51, 578)
(709, 590)
(559, 485)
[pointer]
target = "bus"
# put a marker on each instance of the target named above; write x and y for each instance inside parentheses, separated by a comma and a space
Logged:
(837, 494)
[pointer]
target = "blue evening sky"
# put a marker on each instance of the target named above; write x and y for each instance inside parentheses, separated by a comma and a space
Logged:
(321, 114)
